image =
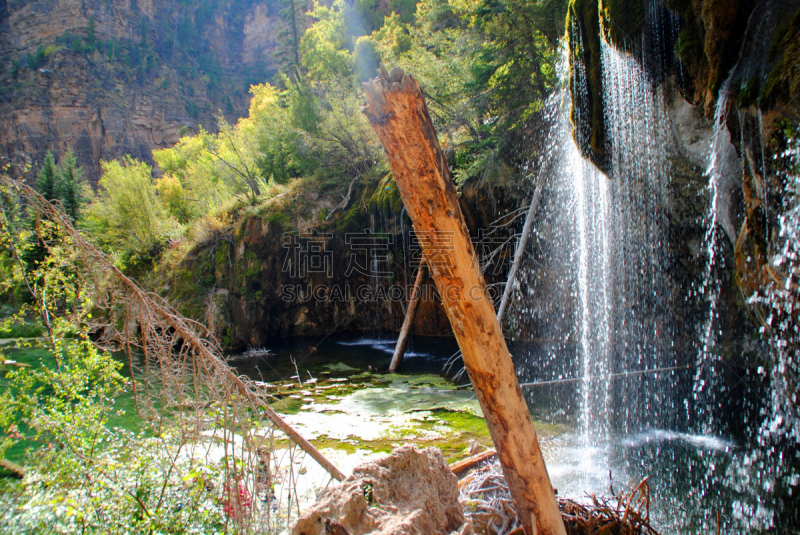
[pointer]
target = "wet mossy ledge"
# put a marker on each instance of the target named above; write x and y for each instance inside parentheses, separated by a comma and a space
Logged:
(710, 38)
(586, 72)
(238, 273)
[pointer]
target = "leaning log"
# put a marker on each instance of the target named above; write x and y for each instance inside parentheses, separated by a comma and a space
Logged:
(405, 331)
(398, 114)
(523, 243)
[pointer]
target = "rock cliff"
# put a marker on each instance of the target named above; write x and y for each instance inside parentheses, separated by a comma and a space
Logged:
(109, 77)
(736, 57)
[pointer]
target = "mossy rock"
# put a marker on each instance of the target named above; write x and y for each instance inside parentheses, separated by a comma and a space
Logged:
(623, 21)
(386, 199)
(583, 29)
(783, 81)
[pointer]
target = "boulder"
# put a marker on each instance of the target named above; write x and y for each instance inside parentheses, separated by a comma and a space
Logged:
(409, 492)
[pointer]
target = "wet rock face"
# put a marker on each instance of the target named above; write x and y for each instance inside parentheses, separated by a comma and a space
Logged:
(109, 101)
(409, 492)
(291, 272)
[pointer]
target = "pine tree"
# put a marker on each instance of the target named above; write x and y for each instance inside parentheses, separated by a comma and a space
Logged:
(68, 185)
(91, 33)
(295, 22)
(46, 180)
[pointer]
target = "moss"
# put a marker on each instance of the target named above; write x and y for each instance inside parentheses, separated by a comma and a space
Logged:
(623, 20)
(279, 217)
(21, 330)
(583, 29)
(350, 221)
(725, 22)
(783, 81)
(748, 93)
(386, 199)
(287, 405)
(221, 255)
(464, 427)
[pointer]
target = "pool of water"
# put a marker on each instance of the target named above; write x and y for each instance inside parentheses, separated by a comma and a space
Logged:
(345, 353)
(698, 481)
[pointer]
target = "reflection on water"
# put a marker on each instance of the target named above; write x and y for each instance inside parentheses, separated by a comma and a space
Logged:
(425, 354)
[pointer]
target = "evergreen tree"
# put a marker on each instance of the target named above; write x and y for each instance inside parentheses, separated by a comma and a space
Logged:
(46, 180)
(68, 185)
(295, 22)
(91, 33)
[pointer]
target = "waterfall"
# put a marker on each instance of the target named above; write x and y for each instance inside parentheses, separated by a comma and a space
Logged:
(591, 190)
(604, 296)
(709, 287)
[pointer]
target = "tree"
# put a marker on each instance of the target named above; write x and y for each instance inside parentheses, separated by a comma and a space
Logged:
(295, 22)
(128, 207)
(46, 180)
(91, 33)
(324, 45)
(68, 185)
(62, 183)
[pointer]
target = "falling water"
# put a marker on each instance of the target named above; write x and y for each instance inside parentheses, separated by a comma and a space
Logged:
(591, 211)
(709, 286)
(600, 274)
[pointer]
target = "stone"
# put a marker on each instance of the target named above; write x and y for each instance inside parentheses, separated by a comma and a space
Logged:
(408, 492)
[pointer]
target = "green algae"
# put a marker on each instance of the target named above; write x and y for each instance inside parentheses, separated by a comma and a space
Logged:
(385, 412)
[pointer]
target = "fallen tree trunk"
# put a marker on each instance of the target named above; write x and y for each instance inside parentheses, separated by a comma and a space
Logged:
(398, 114)
(405, 331)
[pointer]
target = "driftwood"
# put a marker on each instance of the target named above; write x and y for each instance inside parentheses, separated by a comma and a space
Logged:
(489, 508)
(470, 462)
(398, 114)
(405, 331)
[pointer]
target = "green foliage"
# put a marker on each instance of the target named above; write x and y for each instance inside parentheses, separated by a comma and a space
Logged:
(36, 60)
(20, 328)
(82, 474)
(370, 13)
(127, 211)
(303, 106)
(395, 34)
(324, 45)
(278, 143)
(62, 183)
(295, 21)
(91, 33)
(46, 179)
(68, 185)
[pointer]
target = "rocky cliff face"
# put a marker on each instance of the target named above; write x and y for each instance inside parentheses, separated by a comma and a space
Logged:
(737, 55)
(109, 77)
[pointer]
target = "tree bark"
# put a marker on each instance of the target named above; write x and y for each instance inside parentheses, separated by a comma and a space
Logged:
(402, 342)
(396, 108)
